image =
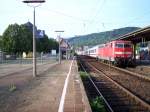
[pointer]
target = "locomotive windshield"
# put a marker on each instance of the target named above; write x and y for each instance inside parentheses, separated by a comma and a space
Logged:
(127, 45)
(119, 45)
(123, 45)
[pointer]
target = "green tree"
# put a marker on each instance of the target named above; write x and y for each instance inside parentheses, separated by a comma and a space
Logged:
(53, 44)
(45, 44)
(42, 44)
(17, 39)
(10, 40)
(26, 38)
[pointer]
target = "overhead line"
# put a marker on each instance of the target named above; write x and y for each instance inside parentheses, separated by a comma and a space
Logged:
(137, 18)
(99, 10)
(66, 15)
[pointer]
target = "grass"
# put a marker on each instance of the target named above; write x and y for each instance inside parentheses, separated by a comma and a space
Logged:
(97, 105)
(12, 88)
(83, 75)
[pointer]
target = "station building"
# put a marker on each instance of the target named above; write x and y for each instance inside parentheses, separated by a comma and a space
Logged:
(65, 49)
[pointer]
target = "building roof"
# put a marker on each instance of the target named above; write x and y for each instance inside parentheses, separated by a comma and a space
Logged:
(39, 33)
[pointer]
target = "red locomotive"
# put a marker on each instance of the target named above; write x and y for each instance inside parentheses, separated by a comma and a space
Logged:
(119, 52)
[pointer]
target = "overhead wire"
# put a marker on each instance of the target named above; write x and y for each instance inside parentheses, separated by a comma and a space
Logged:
(66, 15)
(99, 10)
(137, 18)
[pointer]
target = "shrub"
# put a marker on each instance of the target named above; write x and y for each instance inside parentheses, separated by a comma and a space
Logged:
(97, 105)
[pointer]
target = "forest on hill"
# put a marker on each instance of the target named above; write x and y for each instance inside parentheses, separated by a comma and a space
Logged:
(99, 38)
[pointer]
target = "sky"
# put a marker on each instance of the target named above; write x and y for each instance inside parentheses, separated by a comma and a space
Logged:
(77, 17)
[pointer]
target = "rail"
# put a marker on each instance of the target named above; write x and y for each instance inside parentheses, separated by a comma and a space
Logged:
(146, 105)
(107, 104)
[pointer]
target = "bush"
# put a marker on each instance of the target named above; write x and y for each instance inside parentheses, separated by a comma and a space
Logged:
(83, 75)
(97, 105)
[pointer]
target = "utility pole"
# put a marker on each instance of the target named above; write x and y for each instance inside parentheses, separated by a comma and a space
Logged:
(59, 35)
(34, 4)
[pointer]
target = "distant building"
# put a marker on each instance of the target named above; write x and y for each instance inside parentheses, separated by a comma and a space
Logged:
(65, 48)
(30, 26)
(80, 50)
(39, 33)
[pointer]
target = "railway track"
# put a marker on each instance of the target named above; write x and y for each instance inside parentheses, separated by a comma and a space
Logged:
(135, 83)
(131, 71)
(121, 93)
(143, 70)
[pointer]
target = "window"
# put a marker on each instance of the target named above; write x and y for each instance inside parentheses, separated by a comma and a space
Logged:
(123, 45)
(127, 46)
(119, 45)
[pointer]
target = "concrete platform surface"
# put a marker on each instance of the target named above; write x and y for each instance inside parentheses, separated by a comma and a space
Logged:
(76, 99)
(43, 93)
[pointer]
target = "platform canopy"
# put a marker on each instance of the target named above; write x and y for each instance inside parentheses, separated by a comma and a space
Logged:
(137, 36)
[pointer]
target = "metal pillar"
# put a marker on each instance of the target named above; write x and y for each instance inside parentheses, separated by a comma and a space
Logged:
(59, 52)
(34, 45)
(59, 31)
(32, 3)
(66, 54)
(134, 52)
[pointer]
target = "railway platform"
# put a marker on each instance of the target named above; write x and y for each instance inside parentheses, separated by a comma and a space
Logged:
(48, 92)
(76, 99)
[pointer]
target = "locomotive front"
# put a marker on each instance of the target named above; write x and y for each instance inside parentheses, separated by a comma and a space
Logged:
(123, 53)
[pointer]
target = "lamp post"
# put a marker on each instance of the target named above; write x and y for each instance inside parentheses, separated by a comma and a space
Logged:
(59, 31)
(36, 4)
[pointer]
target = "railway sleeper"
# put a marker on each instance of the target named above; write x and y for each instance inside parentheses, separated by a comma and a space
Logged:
(122, 99)
(137, 108)
(121, 103)
(102, 82)
(105, 90)
(111, 96)
(127, 108)
(106, 86)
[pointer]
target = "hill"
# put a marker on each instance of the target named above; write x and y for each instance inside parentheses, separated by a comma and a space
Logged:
(98, 38)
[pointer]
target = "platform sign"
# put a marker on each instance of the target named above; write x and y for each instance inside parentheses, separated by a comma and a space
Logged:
(53, 52)
(40, 34)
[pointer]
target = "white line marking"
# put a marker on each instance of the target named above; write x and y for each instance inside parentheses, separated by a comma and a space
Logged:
(123, 52)
(61, 105)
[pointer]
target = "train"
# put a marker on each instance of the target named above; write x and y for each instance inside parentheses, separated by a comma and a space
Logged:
(118, 52)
